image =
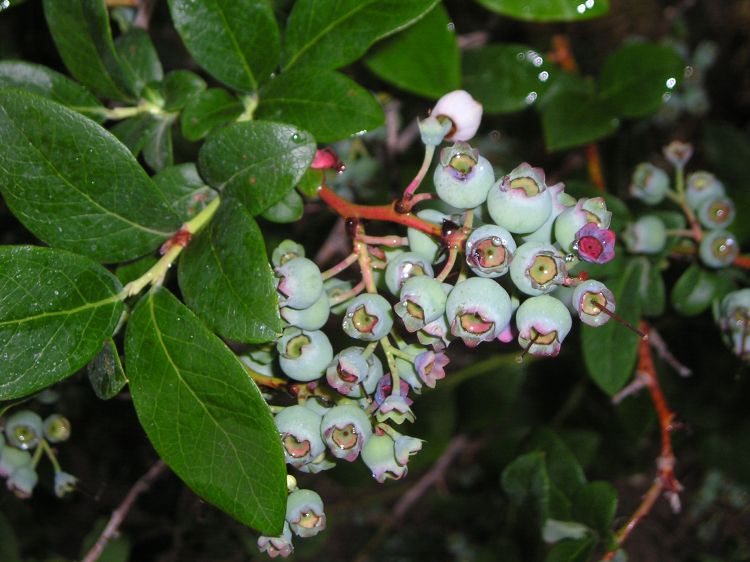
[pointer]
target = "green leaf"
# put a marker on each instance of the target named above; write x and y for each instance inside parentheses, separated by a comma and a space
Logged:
(610, 351)
(695, 290)
(56, 310)
(226, 279)
(562, 466)
(203, 414)
(572, 550)
(73, 185)
(289, 209)
(324, 102)
(548, 10)
(424, 59)
(525, 480)
(157, 143)
(44, 81)
(9, 551)
(138, 55)
(257, 162)
(573, 119)
(333, 33)
(178, 87)
(80, 29)
(185, 190)
(236, 41)
(595, 505)
(505, 77)
(207, 111)
(651, 290)
(105, 372)
(310, 182)
(132, 132)
(636, 78)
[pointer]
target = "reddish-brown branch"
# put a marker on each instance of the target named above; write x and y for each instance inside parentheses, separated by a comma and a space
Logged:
(562, 53)
(385, 213)
(666, 482)
(594, 164)
(742, 261)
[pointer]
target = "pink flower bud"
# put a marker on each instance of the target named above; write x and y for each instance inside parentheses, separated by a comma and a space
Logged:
(463, 110)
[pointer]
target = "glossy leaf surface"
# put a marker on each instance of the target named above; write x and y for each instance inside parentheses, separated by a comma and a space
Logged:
(203, 414)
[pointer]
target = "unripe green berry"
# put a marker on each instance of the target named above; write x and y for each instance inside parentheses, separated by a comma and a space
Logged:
(11, 459)
(56, 428)
(716, 212)
(718, 248)
(346, 429)
(478, 309)
(701, 186)
(489, 250)
(287, 250)
(520, 201)
(543, 322)
(647, 235)
(312, 318)
(304, 513)
(402, 267)
(368, 317)
(380, 457)
(300, 283)
(537, 268)
(299, 429)
(463, 178)
(588, 299)
(23, 481)
(304, 354)
(24, 429)
(424, 244)
(422, 301)
(649, 184)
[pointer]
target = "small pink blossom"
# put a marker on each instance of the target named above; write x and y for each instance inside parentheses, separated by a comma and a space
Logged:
(431, 367)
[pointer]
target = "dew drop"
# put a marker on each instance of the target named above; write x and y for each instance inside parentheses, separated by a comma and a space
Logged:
(451, 26)
(297, 138)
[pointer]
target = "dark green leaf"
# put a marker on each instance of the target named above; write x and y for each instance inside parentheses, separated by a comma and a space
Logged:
(83, 38)
(9, 551)
(138, 55)
(324, 102)
(56, 311)
(185, 190)
(333, 33)
(105, 372)
(651, 290)
(207, 111)
(424, 59)
(525, 480)
(610, 351)
(695, 289)
(74, 186)
(562, 466)
(258, 162)
(548, 10)
(203, 414)
(636, 78)
(157, 145)
(46, 82)
(289, 209)
(236, 41)
(178, 87)
(576, 118)
(132, 132)
(572, 550)
(226, 279)
(595, 505)
(505, 77)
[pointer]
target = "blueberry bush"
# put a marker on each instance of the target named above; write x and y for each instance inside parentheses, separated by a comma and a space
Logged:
(374, 280)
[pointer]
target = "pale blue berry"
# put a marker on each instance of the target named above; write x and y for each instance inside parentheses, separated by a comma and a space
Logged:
(379, 455)
(277, 546)
(463, 178)
(478, 309)
(304, 513)
(304, 354)
(542, 322)
(368, 317)
(701, 186)
(520, 201)
(311, 318)
(718, 248)
(424, 244)
(345, 429)
(402, 267)
(422, 301)
(560, 202)
(299, 429)
(649, 184)
(57, 428)
(287, 250)
(647, 235)
(716, 212)
(24, 429)
(11, 459)
(348, 371)
(588, 299)
(23, 481)
(300, 283)
(489, 250)
(537, 268)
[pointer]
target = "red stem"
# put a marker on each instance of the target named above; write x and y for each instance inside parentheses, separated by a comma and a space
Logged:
(386, 213)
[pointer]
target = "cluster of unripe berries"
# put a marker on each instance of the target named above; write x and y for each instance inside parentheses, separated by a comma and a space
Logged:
(533, 237)
(732, 314)
(705, 198)
(25, 438)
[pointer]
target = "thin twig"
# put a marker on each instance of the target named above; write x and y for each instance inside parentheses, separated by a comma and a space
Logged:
(666, 482)
(658, 343)
(408, 500)
(119, 514)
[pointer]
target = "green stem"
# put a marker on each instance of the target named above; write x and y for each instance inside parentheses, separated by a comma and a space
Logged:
(155, 275)
(369, 349)
(429, 152)
(251, 103)
(389, 350)
(38, 453)
(50, 455)
(119, 113)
